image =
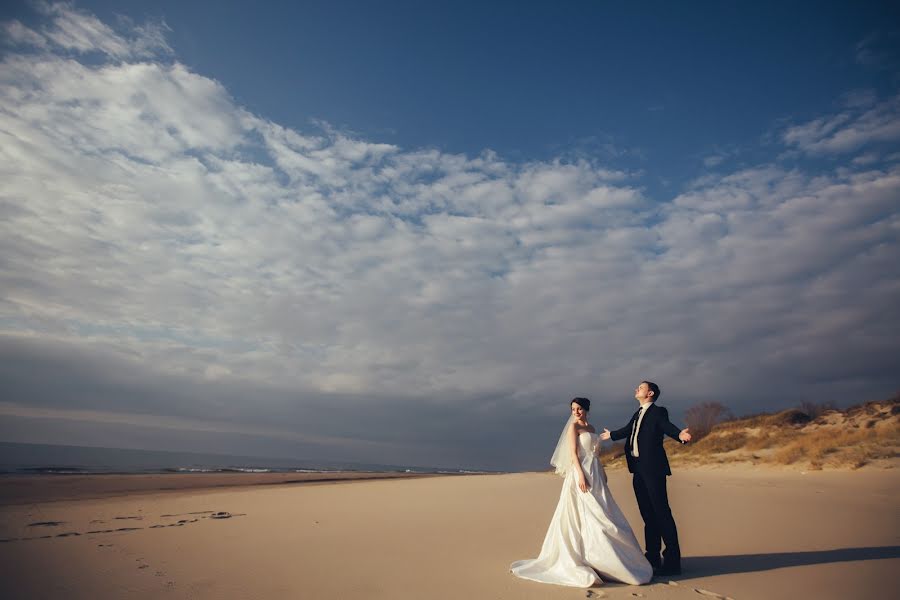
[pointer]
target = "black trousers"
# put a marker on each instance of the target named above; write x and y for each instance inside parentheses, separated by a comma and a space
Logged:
(659, 526)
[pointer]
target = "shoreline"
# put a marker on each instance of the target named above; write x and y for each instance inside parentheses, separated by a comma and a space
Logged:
(18, 489)
(24, 489)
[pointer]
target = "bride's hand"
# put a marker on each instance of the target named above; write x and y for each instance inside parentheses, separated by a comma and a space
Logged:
(582, 483)
(605, 435)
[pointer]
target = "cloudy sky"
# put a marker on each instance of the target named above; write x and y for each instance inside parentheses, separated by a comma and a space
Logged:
(409, 233)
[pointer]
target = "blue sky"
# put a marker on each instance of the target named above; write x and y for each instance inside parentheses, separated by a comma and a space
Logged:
(384, 231)
(656, 86)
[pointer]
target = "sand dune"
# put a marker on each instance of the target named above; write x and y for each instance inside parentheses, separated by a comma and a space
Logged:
(746, 533)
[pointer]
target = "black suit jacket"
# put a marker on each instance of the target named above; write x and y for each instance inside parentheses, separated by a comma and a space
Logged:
(653, 459)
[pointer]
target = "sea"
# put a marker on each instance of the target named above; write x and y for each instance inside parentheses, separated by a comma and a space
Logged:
(43, 459)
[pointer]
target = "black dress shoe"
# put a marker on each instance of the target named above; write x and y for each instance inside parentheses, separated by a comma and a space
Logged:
(667, 570)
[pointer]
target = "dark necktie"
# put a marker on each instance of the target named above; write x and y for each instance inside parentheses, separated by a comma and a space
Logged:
(635, 419)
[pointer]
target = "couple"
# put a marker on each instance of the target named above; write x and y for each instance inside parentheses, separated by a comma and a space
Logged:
(589, 539)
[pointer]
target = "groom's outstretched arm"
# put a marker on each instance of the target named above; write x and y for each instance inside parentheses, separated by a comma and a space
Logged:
(670, 430)
(620, 434)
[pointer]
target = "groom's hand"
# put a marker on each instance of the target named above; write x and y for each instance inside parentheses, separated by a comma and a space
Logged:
(605, 435)
(684, 436)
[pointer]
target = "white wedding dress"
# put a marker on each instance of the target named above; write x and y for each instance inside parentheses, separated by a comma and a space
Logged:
(589, 540)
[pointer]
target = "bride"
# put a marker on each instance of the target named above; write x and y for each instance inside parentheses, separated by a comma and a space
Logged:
(589, 539)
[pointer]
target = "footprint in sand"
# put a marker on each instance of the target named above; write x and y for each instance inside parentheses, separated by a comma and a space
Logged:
(200, 512)
(180, 523)
(711, 594)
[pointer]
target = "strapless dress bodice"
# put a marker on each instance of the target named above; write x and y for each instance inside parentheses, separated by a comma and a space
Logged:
(588, 444)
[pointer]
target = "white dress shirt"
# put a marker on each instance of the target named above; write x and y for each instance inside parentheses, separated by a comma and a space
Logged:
(637, 428)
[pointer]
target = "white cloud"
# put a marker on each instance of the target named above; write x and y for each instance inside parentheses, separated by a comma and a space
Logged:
(855, 128)
(713, 160)
(17, 34)
(78, 31)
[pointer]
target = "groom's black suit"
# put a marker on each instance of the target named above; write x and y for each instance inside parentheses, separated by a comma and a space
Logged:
(650, 469)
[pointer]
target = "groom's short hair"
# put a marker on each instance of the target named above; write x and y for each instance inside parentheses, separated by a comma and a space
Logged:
(653, 388)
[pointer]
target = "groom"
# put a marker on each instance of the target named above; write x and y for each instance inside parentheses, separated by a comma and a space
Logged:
(647, 461)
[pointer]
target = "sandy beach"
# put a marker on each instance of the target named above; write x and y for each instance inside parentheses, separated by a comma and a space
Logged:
(746, 533)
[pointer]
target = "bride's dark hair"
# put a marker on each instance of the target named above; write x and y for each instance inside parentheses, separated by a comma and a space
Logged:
(582, 402)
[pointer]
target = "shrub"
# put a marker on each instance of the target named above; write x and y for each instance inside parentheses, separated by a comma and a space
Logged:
(791, 416)
(701, 418)
(813, 410)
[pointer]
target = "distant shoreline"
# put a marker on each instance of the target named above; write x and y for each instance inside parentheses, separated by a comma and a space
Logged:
(20, 489)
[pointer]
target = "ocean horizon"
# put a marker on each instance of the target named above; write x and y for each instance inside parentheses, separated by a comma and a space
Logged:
(20, 458)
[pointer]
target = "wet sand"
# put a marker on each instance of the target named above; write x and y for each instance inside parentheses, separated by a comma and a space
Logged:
(25, 489)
